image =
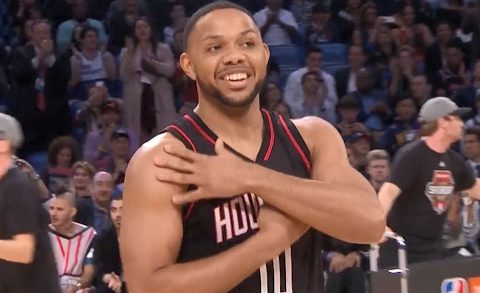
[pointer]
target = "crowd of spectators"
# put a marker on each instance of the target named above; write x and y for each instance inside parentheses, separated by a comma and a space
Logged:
(89, 81)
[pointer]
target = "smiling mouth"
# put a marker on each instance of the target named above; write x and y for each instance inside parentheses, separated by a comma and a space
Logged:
(236, 76)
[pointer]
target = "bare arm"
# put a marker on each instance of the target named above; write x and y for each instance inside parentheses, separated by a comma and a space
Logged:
(337, 200)
(87, 276)
(110, 66)
(149, 217)
(20, 249)
(387, 194)
(75, 71)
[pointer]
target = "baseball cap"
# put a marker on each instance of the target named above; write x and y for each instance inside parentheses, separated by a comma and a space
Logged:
(440, 107)
(119, 132)
(354, 137)
(110, 105)
(11, 130)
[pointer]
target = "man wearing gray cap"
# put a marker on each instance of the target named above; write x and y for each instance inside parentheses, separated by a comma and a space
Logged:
(26, 259)
(425, 176)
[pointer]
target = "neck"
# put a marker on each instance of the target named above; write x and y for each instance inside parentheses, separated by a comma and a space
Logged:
(83, 191)
(66, 229)
(234, 125)
(312, 99)
(437, 143)
(5, 162)
(89, 53)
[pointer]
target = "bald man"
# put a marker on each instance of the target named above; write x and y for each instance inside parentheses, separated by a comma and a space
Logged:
(93, 210)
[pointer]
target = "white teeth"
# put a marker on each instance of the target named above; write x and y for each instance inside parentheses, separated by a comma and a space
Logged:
(236, 76)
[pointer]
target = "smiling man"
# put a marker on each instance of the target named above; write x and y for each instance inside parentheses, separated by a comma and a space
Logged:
(230, 197)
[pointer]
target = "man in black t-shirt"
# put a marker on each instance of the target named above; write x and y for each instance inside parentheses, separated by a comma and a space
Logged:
(26, 259)
(426, 174)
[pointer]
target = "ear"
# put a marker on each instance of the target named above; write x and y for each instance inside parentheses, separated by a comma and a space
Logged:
(187, 66)
(74, 212)
(266, 52)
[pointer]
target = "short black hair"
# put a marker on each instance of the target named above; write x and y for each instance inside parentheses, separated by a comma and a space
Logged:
(86, 29)
(310, 73)
(314, 49)
(206, 10)
(473, 131)
(455, 43)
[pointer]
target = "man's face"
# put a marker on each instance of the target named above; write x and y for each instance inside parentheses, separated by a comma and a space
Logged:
(349, 115)
(405, 110)
(90, 40)
(102, 187)
(314, 61)
(40, 32)
(61, 212)
(274, 4)
(454, 58)
(471, 146)
(361, 147)
(227, 58)
(116, 212)
(364, 81)
(420, 87)
(378, 170)
(356, 58)
(80, 178)
(453, 127)
(120, 147)
(311, 84)
(79, 10)
(444, 33)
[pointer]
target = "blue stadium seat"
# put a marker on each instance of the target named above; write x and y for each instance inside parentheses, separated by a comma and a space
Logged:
(39, 161)
(284, 73)
(286, 56)
(334, 53)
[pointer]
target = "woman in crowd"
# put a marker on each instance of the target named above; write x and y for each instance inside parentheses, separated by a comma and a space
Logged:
(62, 153)
(145, 68)
(82, 177)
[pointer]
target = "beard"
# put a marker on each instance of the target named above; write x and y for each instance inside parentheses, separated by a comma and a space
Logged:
(215, 93)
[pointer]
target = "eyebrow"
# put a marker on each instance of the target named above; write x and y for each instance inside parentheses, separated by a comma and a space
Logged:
(216, 37)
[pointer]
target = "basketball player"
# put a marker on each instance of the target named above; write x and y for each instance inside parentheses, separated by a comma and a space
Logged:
(222, 212)
(26, 259)
(72, 244)
(425, 176)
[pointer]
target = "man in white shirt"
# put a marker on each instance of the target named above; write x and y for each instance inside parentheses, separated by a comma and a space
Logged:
(277, 25)
(294, 95)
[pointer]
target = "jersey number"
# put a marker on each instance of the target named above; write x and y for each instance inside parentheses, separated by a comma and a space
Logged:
(277, 277)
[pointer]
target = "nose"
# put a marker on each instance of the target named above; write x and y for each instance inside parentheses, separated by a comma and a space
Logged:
(233, 56)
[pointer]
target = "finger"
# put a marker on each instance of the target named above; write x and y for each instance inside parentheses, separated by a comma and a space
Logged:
(181, 152)
(174, 163)
(172, 176)
(188, 197)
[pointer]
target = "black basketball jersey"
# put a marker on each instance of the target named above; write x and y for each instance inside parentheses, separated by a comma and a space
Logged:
(215, 225)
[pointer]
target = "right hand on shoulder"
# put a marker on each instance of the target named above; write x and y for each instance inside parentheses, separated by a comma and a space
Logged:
(280, 227)
(338, 263)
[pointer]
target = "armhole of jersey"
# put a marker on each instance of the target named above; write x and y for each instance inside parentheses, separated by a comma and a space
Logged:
(181, 135)
(297, 141)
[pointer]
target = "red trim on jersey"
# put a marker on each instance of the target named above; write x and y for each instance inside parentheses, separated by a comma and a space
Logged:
(77, 250)
(68, 256)
(59, 241)
(199, 129)
(91, 235)
(295, 144)
(184, 135)
(272, 136)
(189, 210)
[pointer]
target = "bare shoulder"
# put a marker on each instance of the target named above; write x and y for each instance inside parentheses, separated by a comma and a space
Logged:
(318, 133)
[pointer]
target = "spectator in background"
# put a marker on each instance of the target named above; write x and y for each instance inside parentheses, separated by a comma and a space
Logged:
(283, 109)
(302, 12)
(270, 96)
(178, 19)
(82, 179)
(315, 93)
(360, 145)
(145, 68)
(63, 151)
(405, 127)
(421, 89)
(91, 65)
(117, 160)
(467, 95)
(368, 20)
(25, 10)
(79, 16)
(75, 266)
(39, 87)
(345, 78)
(108, 264)
(403, 68)
(381, 49)
(89, 115)
(93, 211)
(471, 148)
(349, 123)
(97, 144)
(435, 53)
(121, 22)
(378, 167)
(374, 103)
(454, 74)
(321, 29)
(348, 18)
(474, 121)
(277, 25)
(293, 94)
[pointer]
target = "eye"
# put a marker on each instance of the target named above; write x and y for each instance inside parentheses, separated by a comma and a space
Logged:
(214, 48)
(248, 44)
